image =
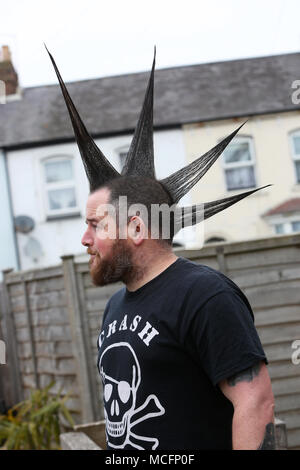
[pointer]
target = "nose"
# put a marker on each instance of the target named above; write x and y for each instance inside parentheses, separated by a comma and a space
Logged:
(87, 239)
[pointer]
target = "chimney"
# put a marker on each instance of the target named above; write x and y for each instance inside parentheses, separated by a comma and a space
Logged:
(6, 56)
(8, 75)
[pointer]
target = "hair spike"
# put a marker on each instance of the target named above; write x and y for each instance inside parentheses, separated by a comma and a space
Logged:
(192, 215)
(180, 182)
(98, 169)
(140, 158)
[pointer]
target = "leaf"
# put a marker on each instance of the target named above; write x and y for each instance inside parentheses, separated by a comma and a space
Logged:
(56, 430)
(13, 438)
(67, 415)
(34, 435)
(46, 410)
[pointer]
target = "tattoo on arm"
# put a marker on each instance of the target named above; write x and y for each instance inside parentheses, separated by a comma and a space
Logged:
(268, 442)
(246, 375)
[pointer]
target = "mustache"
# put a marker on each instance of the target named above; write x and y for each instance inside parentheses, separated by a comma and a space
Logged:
(89, 252)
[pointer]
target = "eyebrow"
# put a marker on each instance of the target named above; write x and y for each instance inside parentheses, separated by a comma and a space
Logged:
(92, 219)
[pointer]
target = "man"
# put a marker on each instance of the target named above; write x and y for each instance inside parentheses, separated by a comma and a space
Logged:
(181, 363)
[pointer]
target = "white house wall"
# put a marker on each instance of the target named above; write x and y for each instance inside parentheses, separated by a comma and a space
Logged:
(63, 236)
(8, 256)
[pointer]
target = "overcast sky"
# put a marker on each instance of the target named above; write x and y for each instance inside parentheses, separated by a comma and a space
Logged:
(96, 38)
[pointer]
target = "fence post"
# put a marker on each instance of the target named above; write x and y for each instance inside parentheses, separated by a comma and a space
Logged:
(91, 360)
(10, 338)
(78, 340)
(31, 335)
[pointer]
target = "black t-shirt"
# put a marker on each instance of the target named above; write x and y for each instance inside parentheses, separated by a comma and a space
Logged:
(163, 349)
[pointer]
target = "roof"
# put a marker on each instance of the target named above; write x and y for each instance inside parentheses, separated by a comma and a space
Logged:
(292, 205)
(195, 93)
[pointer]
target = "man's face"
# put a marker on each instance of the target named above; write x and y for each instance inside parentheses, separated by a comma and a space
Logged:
(111, 258)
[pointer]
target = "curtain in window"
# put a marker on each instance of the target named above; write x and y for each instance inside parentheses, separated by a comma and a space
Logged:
(61, 198)
(296, 140)
(296, 226)
(240, 177)
(279, 228)
(58, 171)
(238, 152)
(297, 163)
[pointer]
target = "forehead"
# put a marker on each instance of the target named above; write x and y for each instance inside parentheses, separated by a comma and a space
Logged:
(96, 200)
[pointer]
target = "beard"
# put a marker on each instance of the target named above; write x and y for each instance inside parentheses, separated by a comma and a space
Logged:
(115, 267)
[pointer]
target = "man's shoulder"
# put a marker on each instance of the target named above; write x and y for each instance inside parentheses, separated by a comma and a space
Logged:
(204, 283)
(199, 275)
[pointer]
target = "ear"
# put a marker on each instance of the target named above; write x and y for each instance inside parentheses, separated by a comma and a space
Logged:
(137, 230)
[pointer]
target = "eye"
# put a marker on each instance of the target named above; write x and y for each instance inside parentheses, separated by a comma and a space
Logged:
(107, 391)
(102, 225)
(124, 391)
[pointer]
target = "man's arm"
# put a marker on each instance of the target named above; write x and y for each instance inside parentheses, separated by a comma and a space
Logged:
(250, 392)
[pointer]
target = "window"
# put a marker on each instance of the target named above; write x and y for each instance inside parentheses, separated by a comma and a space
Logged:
(122, 155)
(279, 228)
(60, 186)
(296, 153)
(238, 164)
(296, 226)
(287, 227)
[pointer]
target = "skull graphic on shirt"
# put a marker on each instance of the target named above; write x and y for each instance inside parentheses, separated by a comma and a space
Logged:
(120, 388)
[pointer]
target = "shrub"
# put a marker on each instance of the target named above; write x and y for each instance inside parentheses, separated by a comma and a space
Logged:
(35, 424)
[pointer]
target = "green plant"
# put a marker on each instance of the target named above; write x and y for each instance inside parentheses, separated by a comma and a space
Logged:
(35, 424)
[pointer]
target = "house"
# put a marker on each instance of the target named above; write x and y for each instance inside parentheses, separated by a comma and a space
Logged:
(195, 106)
(9, 91)
(264, 92)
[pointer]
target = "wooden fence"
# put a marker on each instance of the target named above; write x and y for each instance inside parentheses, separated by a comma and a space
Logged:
(51, 318)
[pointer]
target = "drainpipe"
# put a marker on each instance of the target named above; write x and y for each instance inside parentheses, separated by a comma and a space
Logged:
(9, 196)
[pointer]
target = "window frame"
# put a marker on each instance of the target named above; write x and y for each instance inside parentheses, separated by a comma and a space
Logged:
(286, 223)
(295, 156)
(233, 165)
(64, 184)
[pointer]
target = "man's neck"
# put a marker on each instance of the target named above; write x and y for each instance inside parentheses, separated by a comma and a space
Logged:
(151, 265)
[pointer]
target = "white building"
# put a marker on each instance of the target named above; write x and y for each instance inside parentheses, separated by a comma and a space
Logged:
(41, 173)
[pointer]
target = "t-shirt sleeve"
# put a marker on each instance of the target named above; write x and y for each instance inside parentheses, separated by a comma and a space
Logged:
(222, 337)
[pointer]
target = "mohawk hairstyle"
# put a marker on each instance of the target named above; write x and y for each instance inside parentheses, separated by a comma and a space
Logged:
(140, 160)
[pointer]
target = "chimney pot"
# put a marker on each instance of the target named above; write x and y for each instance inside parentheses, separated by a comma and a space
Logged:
(6, 56)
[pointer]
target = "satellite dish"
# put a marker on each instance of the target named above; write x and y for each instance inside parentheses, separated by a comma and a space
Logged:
(24, 224)
(33, 249)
